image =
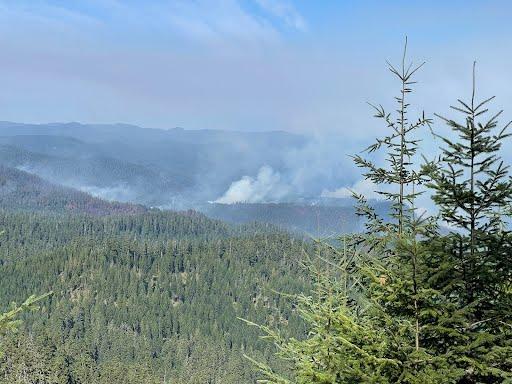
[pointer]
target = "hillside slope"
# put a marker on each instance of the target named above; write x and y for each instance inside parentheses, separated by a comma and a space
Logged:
(139, 294)
(317, 217)
(22, 191)
(314, 220)
(142, 298)
(174, 167)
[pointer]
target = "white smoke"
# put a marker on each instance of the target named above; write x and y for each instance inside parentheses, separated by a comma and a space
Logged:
(266, 187)
(423, 202)
(362, 187)
(120, 192)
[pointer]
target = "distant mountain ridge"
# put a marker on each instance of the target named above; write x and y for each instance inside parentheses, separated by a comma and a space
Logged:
(23, 191)
(174, 168)
(127, 168)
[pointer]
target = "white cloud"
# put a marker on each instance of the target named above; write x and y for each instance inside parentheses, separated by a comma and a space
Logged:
(221, 64)
(285, 11)
(222, 21)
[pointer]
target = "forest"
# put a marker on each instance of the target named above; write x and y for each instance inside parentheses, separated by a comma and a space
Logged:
(94, 291)
(147, 298)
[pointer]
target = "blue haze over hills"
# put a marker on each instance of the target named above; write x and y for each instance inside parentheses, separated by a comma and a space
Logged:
(274, 177)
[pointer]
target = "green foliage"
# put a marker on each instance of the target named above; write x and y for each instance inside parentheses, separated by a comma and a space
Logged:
(142, 298)
(404, 302)
(362, 327)
(473, 191)
(472, 264)
(9, 321)
(401, 145)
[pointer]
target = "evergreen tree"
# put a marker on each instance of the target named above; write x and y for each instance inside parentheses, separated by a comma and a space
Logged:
(471, 266)
(405, 303)
(473, 191)
(9, 321)
(399, 172)
(143, 298)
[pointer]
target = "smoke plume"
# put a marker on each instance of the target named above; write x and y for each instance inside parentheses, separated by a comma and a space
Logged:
(267, 186)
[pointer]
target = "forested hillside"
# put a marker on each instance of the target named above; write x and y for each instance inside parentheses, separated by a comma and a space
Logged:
(320, 218)
(175, 168)
(314, 220)
(22, 191)
(146, 298)
(182, 169)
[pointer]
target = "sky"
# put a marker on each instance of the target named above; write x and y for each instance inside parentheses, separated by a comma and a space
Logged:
(306, 66)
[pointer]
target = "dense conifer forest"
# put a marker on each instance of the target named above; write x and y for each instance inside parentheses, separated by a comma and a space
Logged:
(119, 293)
(146, 298)
(105, 292)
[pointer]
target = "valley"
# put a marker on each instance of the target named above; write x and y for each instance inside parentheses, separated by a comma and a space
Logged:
(175, 169)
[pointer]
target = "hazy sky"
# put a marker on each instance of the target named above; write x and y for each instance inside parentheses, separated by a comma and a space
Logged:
(303, 66)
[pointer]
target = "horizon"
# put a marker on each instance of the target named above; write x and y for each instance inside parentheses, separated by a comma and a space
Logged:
(245, 65)
(251, 66)
(100, 124)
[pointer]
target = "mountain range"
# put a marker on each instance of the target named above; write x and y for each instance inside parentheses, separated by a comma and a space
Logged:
(104, 169)
(156, 167)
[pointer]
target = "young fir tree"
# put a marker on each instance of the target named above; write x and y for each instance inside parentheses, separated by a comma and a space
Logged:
(473, 191)
(403, 303)
(345, 341)
(401, 145)
(398, 284)
(366, 316)
(471, 266)
(399, 180)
